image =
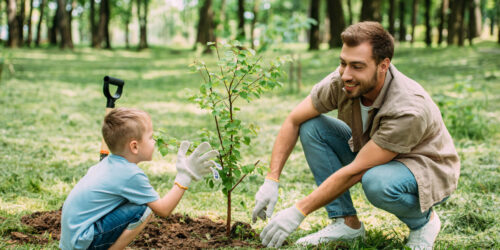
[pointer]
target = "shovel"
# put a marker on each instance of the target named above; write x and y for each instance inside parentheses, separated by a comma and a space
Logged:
(110, 104)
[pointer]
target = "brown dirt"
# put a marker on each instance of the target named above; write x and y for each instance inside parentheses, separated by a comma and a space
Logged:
(174, 232)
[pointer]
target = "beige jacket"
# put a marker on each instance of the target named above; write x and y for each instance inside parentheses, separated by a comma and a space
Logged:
(404, 120)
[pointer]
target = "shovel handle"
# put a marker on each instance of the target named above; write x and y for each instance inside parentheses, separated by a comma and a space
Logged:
(110, 102)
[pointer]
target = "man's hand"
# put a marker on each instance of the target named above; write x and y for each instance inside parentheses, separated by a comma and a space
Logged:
(280, 226)
(196, 165)
(266, 197)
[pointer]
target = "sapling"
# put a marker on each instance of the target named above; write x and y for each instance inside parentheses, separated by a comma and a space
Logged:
(240, 75)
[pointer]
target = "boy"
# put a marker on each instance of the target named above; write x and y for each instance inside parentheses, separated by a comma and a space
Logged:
(112, 203)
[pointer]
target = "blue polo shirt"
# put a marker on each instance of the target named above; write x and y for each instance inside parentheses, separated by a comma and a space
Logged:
(106, 185)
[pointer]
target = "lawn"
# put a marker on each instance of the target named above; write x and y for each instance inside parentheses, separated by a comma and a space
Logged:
(51, 106)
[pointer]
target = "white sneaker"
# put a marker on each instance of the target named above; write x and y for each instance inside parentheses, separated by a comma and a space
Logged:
(424, 237)
(335, 231)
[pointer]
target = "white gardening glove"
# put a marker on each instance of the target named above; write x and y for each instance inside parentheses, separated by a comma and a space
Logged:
(280, 226)
(266, 197)
(195, 166)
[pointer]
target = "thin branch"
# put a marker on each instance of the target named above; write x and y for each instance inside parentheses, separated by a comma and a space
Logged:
(241, 79)
(201, 73)
(218, 57)
(241, 179)
(208, 73)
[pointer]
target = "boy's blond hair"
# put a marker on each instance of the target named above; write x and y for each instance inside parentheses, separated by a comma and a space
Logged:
(122, 125)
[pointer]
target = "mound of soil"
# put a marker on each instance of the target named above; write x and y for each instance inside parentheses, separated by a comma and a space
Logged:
(177, 231)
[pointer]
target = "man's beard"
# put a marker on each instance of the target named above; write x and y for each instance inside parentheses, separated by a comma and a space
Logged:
(364, 87)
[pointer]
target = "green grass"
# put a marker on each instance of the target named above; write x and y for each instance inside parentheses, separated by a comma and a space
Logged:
(52, 106)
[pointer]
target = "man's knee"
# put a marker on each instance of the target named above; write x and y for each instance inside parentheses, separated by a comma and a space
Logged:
(308, 129)
(377, 189)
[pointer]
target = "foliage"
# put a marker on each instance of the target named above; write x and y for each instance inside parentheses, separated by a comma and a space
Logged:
(463, 115)
(282, 29)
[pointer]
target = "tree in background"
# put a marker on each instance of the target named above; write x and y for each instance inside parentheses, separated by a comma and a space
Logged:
(402, 21)
(370, 10)
(428, 27)
(337, 22)
(314, 40)
(414, 12)
(241, 21)
(103, 26)
(392, 17)
(255, 11)
(13, 24)
(442, 20)
(206, 25)
(143, 23)
(63, 25)
(20, 20)
(30, 30)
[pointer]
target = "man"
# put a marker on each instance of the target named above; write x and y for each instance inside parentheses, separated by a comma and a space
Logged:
(389, 135)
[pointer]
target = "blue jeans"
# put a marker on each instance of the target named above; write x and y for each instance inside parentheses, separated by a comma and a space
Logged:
(111, 226)
(391, 186)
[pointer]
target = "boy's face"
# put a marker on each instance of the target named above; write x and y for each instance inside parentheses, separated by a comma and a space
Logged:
(147, 143)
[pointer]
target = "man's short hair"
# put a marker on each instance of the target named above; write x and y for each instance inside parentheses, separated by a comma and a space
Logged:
(122, 125)
(372, 32)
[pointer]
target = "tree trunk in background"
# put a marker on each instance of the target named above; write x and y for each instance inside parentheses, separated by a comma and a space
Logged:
(93, 27)
(143, 23)
(103, 31)
(452, 17)
(498, 20)
(370, 10)
(53, 30)
(205, 32)
(428, 27)
(241, 20)
(475, 25)
(39, 25)
(442, 20)
(254, 20)
(461, 22)
(127, 23)
(222, 23)
(337, 22)
(64, 25)
(392, 16)
(20, 19)
(402, 24)
(314, 31)
(13, 40)
(349, 9)
(30, 28)
(414, 13)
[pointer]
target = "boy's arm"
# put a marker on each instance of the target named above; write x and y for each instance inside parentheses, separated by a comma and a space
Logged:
(164, 206)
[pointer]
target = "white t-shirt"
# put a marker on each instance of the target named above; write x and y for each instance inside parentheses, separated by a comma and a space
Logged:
(364, 115)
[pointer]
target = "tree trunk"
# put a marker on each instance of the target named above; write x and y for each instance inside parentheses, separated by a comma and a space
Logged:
(337, 23)
(30, 28)
(428, 28)
(349, 9)
(13, 24)
(414, 13)
(205, 32)
(402, 24)
(498, 20)
(392, 16)
(53, 30)
(442, 20)
(314, 31)
(64, 25)
(127, 23)
(222, 26)
(143, 22)
(475, 18)
(452, 17)
(93, 27)
(102, 32)
(254, 20)
(241, 20)
(20, 19)
(370, 10)
(461, 22)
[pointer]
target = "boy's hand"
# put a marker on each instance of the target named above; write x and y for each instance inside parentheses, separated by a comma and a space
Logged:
(195, 166)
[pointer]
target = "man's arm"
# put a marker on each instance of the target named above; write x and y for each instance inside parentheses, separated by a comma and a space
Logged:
(287, 137)
(164, 206)
(369, 156)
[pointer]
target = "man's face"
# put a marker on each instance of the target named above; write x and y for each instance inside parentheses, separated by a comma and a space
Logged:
(358, 70)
